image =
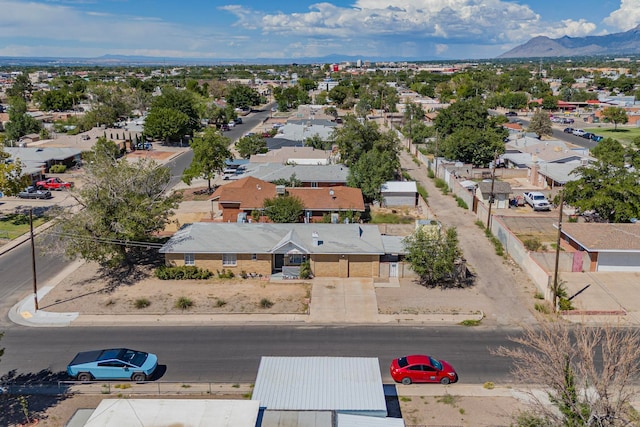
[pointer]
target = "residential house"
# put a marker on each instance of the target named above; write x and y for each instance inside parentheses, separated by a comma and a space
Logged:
(333, 250)
(38, 160)
(238, 200)
(610, 247)
(294, 155)
(309, 175)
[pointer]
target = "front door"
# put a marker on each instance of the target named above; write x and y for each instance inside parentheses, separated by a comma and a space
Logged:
(278, 262)
(393, 269)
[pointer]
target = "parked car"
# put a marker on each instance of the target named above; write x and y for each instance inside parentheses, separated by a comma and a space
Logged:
(578, 132)
(238, 120)
(144, 145)
(568, 121)
(31, 192)
(568, 130)
(53, 184)
(537, 201)
(511, 114)
(113, 364)
(596, 138)
(587, 135)
(224, 127)
(422, 369)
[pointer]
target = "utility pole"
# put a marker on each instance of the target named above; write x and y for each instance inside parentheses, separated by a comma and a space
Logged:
(556, 288)
(436, 154)
(493, 181)
(33, 260)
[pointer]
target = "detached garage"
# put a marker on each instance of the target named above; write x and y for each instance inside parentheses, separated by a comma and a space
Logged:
(399, 193)
(611, 247)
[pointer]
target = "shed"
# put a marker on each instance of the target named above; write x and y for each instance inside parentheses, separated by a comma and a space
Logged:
(350, 385)
(399, 193)
(176, 412)
(501, 192)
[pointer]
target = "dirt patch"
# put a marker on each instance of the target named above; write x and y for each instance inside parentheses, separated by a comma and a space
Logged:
(150, 154)
(450, 410)
(86, 292)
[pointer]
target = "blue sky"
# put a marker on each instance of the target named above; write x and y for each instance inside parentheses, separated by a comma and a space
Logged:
(251, 29)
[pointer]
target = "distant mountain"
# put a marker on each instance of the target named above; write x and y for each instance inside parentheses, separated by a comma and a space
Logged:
(124, 60)
(627, 43)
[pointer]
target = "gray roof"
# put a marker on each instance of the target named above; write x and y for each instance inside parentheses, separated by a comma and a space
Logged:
(305, 173)
(499, 187)
(348, 420)
(250, 238)
(560, 172)
(393, 245)
(350, 384)
(34, 158)
(300, 132)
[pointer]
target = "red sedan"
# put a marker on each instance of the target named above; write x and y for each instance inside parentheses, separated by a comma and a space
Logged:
(422, 369)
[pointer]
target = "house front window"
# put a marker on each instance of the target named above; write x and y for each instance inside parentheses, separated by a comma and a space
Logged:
(254, 257)
(295, 259)
(229, 260)
(189, 259)
(314, 185)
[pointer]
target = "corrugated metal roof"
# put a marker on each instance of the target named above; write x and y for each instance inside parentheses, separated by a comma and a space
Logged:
(178, 412)
(351, 384)
(250, 238)
(297, 419)
(347, 420)
(399, 187)
(393, 245)
(305, 173)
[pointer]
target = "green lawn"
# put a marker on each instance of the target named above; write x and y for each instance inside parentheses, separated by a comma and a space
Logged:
(624, 134)
(390, 218)
(15, 225)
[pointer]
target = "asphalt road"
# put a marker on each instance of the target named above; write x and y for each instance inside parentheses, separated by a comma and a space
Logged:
(560, 135)
(232, 353)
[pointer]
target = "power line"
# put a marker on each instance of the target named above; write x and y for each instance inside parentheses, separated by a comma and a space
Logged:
(109, 241)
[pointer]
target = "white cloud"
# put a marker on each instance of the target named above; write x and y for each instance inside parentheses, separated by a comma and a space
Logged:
(569, 27)
(626, 17)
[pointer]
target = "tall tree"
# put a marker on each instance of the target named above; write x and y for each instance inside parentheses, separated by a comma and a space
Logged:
(607, 186)
(242, 96)
(250, 145)
(12, 181)
(540, 124)
(20, 123)
(433, 254)
(166, 124)
(210, 151)
(21, 87)
(373, 169)
(588, 372)
(355, 138)
(123, 205)
(615, 115)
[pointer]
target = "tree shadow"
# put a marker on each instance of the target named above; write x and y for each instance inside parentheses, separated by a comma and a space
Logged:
(140, 266)
(30, 392)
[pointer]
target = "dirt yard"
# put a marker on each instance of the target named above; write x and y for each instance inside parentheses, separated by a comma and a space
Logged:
(88, 293)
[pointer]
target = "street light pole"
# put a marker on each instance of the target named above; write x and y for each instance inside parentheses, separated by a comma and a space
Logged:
(33, 260)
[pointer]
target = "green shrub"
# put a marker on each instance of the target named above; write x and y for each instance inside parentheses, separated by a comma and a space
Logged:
(489, 385)
(538, 295)
(266, 303)
(142, 303)
(430, 174)
(183, 272)
(542, 307)
(564, 304)
(440, 183)
(470, 322)
(220, 302)
(305, 270)
(422, 191)
(184, 303)
(57, 169)
(533, 244)
(461, 203)
(226, 274)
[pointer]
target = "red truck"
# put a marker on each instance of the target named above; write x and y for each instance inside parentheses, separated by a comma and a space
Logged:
(53, 184)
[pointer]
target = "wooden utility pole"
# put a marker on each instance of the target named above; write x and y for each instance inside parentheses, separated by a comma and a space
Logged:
(556, 287)
(491, 195)
(33, 260)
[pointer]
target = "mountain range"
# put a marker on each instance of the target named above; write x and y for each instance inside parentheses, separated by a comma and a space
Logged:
(626, 43)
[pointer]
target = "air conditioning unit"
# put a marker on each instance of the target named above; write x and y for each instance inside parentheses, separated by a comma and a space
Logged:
(584, 162)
